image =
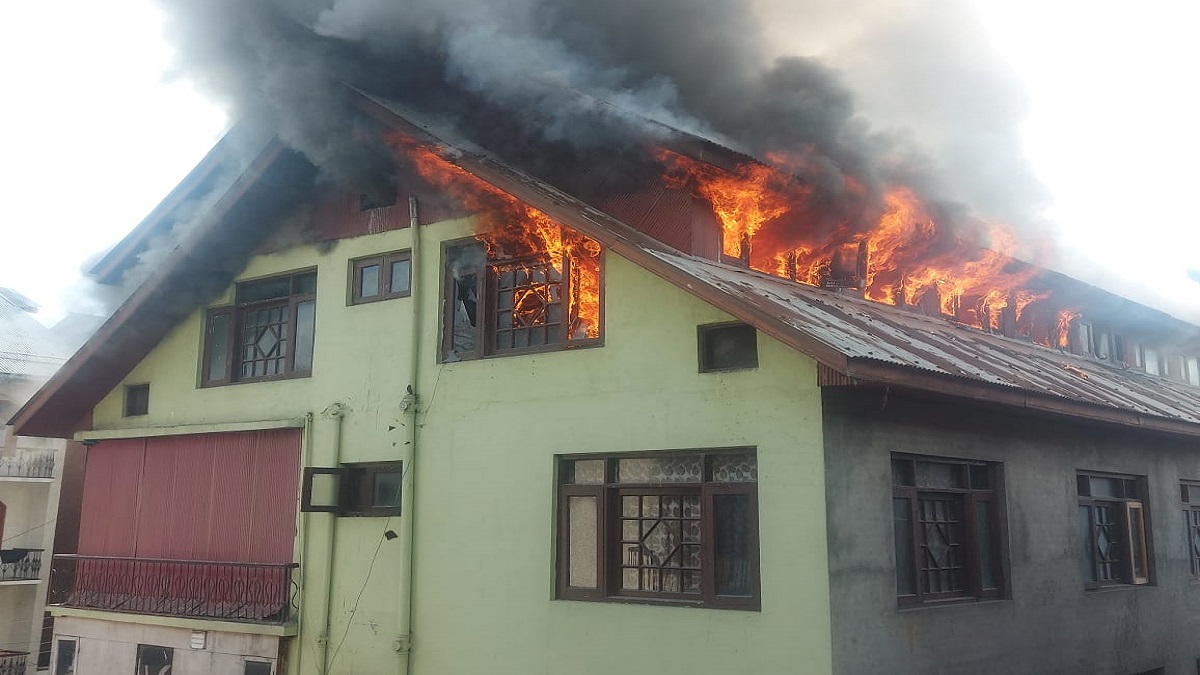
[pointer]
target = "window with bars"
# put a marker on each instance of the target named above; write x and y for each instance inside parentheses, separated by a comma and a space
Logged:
(1189, 492)
(947, 521)
(502, 304)
(268, 332)
(664, 527)
(1113, 529)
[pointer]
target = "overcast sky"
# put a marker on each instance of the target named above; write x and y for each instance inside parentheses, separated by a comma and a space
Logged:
(96, 133)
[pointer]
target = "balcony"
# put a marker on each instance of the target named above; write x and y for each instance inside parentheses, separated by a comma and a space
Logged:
(223, 591)
(25, 464)
(20, 564)
(12, 663)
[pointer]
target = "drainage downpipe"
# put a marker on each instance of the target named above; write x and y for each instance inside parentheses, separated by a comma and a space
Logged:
(408, 405)
(304, 525)
(337, 411)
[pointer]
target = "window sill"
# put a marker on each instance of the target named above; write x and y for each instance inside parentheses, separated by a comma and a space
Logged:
(751, 604)
(951, 602)
(1120, 587)
(273, 378)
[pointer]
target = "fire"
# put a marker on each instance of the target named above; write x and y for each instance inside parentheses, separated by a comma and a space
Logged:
(1063, 327)
(901, 256)
(514, 231)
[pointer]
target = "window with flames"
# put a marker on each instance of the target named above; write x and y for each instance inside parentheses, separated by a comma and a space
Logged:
(513, 297)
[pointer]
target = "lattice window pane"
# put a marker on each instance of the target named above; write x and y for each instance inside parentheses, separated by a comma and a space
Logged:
(660, 543)
(942, 535)
(264, 341)
(529, 311)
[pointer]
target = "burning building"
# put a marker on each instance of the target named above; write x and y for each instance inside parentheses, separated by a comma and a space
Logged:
(508, 389)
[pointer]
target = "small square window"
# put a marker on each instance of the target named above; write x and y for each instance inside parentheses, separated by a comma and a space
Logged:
(380, 277)
(366, 489)
(728, 347)
(137, 399)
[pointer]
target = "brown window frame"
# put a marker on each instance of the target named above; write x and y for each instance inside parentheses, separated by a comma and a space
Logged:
(1133, 535)
(487, 291)
(356, 489)
(705, 335)
(609, 546)
(385, 262)
(137, 400)
(233, 318)
(976, 549)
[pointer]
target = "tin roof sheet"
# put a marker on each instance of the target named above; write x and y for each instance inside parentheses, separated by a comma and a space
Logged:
(871, 331)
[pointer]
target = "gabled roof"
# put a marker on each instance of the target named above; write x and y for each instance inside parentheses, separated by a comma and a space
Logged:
(855, 341)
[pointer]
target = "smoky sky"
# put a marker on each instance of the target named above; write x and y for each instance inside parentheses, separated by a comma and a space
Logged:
(884, 91)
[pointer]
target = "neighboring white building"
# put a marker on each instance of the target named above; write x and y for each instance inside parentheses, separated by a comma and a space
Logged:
(30, 482)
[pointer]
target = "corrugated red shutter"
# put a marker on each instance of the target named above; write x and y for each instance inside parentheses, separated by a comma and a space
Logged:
(222, 497)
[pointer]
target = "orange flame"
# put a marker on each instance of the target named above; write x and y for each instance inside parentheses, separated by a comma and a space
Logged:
(515, 230)
(908, 260)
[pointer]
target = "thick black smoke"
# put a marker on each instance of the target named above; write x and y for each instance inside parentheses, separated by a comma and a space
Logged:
(513, 75)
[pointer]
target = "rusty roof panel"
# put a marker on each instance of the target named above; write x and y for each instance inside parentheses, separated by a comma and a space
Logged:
(871, 331)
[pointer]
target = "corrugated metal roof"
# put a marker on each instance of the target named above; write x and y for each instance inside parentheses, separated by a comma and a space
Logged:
(27, 348)
(871, 331)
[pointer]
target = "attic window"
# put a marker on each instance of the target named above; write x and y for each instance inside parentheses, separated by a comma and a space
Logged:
(377, 199)
(137, 399)
(267, 334)
(497, 304)
(728, 346)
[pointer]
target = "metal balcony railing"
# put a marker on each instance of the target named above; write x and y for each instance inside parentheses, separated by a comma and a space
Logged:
(12, 663)
(27, 465)
(227, 591)
(20, 564)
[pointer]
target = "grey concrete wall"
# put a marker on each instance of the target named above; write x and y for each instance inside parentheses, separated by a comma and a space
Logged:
(1049, 623)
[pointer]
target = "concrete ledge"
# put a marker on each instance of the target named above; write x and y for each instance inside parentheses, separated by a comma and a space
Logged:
(185, 429)
(286, 630)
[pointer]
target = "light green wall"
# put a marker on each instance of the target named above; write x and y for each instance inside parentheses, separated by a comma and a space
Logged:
(488, 432)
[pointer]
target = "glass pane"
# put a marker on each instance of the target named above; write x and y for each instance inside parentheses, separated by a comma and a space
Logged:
(981, 477)
(733, 536)
(902, 526)
(368, 281)
(587, 472)
(65, 665)
(1088, 560)
(581, 542)
(734, 468)
(902, 473)
(987, 552)
(1083, 486)
(939, 475)
(1137, 542)
(1106, 487)
(387, 489)
(683, 469)
(942, 534)
(305, 319)
(218, 347)
(305, 284)
(266, 289)
(401, 276)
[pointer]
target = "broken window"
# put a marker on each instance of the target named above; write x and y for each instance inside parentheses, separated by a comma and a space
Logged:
(1112, 525)
(498, 302)
(362, 489)
(947, 519)
(678, 526)
(154, 660)
(268, 332)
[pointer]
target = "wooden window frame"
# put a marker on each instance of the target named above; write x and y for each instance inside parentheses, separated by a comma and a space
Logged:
(906, 488)
(136, 405)
(607, 497)
(704, 334)
(356, 482)
(1128, 546)
(235, 315)
(385, 261)
(487, 292)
